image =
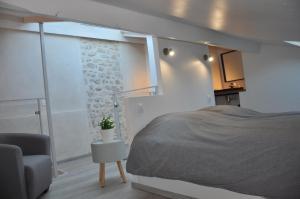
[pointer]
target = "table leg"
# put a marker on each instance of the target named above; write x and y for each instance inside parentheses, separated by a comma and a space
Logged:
(122, 174)
(102, 174)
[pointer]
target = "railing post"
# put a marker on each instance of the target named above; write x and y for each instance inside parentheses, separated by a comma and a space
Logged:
(47, 98)
(116, 115)
(40, 116)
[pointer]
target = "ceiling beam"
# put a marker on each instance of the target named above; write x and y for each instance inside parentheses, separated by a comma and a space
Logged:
(133, 35)
(39, 19)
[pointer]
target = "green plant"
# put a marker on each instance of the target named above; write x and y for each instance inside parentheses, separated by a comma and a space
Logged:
(106, 123)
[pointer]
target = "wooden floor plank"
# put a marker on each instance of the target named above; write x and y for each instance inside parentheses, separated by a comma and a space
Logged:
(80, 181)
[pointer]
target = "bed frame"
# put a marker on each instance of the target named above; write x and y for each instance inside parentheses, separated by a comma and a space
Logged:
(184, 190)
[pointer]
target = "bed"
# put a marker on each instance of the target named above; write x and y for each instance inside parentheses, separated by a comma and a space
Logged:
(222, 147)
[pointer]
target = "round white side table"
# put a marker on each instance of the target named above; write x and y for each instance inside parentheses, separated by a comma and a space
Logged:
(103, 152)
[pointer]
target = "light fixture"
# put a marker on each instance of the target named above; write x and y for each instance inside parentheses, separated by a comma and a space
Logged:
(211, 59)
(173, 38)
(208, 58)
(168, 52)
(204, 42)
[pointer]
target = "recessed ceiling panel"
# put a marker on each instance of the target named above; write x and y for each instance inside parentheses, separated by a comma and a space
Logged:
(267, 20)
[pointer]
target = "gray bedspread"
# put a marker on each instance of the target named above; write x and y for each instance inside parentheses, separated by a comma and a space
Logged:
(226, 147)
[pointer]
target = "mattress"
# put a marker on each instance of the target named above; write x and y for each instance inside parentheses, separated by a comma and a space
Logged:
(224, 147)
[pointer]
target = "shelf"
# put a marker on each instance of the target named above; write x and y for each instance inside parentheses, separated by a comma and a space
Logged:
(229, 91)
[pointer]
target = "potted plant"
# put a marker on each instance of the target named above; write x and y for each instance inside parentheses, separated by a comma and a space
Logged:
(107, 129)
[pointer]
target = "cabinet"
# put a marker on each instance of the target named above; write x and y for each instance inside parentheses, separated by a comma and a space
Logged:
(229, 96)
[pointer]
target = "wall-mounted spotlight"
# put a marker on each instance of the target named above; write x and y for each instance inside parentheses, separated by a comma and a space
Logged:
(168, 52)
(208, 58)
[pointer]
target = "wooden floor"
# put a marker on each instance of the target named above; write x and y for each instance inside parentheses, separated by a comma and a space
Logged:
(80, 181)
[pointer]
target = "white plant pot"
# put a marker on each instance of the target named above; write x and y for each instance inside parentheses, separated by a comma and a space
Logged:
(108, 135)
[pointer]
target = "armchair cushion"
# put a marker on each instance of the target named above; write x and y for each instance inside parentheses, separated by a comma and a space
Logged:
(31, 144)
(38, 174)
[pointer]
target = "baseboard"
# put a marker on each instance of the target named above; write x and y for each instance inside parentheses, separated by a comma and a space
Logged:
(74, 158)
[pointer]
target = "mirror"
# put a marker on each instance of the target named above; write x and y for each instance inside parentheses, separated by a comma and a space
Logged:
(232, 66)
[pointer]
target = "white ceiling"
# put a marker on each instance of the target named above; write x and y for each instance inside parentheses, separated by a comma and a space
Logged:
(12, 10)
(263, 20)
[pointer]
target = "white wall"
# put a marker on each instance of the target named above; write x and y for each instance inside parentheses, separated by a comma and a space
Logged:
(186, 82)
(67, 94)
(19, 65)
(21, 77)
(134, 64)
(272, 79)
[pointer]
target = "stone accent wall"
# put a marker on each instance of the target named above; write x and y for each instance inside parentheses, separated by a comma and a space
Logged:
(102, 76)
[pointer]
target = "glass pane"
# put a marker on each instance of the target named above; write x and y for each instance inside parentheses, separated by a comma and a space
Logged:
(20, 116)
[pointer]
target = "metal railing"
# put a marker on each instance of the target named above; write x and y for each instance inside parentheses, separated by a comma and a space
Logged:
(116, 104)
(37, 112)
